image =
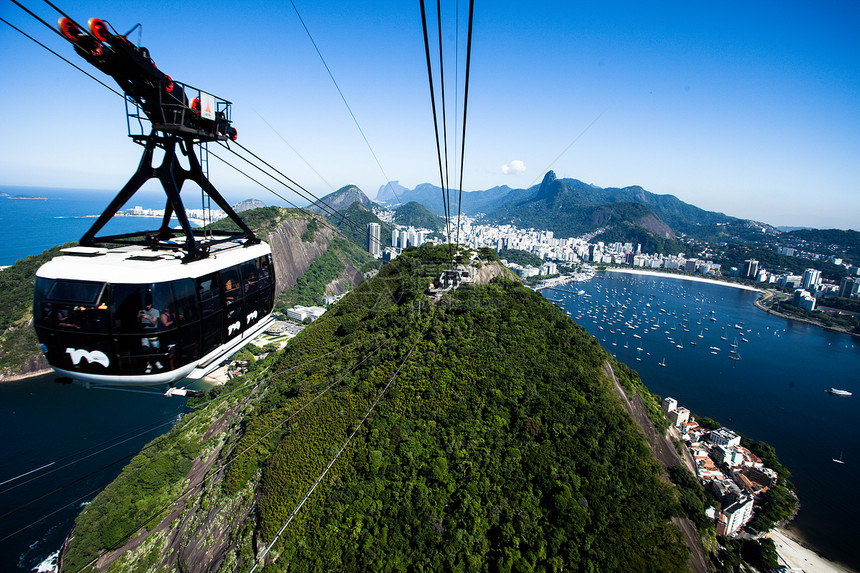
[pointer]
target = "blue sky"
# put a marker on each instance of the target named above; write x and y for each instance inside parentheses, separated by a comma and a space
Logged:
(746, 108)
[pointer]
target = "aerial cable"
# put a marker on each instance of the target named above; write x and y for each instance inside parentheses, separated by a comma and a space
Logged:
(447, 189)
(48, 2)
(256, 382)
(315, 216)
(308, 32)
(313, 199)
(435, 120)
(272, 377)
(465, 109)
(31, 13)
(324, 207)
(456, 98)
(330, 186)
(569, 145)
(83, 71)
(317, 201)
(87, 495)
(62, 487)
(130, 435)
(327, 209)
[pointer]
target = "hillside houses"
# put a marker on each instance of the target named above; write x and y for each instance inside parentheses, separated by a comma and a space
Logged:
(733, 474)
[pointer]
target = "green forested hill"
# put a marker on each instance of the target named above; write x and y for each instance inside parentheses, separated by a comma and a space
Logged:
(479, 433)
(19, 347)
(417, 215)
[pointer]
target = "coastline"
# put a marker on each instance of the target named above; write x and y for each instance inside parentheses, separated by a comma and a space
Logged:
(16, 377)
(767, 295)
(796, 554)
(758, 303)
(682, 277)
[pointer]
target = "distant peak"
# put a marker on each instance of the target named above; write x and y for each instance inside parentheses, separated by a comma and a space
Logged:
(548, 186)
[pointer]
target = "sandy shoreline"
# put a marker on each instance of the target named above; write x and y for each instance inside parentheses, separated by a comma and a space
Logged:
(796, 556)
(15, 377)
(682, 277)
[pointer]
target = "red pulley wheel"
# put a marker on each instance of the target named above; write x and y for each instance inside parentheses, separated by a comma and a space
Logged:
(99, 29)
(69, 29)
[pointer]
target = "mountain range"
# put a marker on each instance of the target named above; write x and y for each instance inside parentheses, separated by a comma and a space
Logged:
(571, 207)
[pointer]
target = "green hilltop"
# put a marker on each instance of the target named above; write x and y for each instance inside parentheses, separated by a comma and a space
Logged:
(476, 432)
(415, 214)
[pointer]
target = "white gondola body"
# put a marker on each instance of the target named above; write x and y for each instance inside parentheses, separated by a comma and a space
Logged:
(141, 317)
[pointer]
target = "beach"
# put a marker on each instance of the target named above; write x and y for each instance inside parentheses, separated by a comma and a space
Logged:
(682, 277)
(794, 555)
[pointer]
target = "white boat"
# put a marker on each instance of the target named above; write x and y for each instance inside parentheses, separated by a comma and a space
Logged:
(839, 460)
(663, 363)
(838, 392)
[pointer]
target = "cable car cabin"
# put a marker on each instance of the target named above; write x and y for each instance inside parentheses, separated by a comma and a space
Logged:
(138, 316)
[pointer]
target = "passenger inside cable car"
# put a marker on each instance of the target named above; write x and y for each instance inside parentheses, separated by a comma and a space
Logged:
(137, 329)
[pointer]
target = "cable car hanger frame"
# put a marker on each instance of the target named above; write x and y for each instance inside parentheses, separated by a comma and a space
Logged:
(176, 122)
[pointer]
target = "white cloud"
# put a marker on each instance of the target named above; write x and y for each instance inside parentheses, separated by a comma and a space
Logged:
(515, 167)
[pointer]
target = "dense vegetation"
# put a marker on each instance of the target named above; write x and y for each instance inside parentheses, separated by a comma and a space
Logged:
(520, 257)
(18, 341)
(417, 215)
(693, 497)
(841, 303)
(760, 553)
(263, 221)
(847, 241)
(735, 255)
(627, 232)
(497, 443)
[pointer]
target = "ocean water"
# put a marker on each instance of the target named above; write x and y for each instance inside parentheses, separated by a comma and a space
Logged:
(81, 439)
(30, 226)
(775, 393)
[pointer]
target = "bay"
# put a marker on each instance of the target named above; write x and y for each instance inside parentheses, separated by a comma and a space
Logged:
(30, 226)
(81, 439)
(775, 393)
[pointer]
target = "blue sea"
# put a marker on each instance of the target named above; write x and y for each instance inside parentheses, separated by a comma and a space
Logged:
(775, 393)
(30, 226)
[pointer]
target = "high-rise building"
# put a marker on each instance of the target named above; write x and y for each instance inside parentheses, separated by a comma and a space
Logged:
(374, 247)
(750, 269)
(394, 238)
(802, 299)
(849, 287)
(811, 278)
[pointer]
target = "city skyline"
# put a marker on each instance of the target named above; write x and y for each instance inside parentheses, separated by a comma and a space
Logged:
(747, 110)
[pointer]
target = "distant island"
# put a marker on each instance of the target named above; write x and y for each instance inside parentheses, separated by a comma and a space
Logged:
(7, 196)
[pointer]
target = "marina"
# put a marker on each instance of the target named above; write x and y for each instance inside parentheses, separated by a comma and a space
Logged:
(777, 389)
